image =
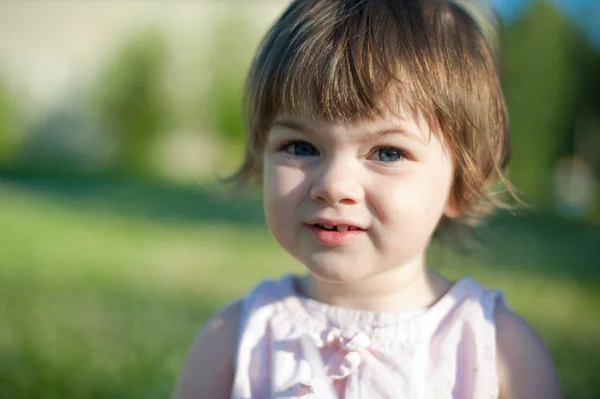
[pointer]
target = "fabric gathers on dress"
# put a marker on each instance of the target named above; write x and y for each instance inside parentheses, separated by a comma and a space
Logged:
(447, 351)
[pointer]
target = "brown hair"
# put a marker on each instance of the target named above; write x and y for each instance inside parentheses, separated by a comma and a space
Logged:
(340, 59)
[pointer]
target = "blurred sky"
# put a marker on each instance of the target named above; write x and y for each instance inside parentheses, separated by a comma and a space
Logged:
(585, 13)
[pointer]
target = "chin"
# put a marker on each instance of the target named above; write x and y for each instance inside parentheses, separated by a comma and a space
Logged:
(336, 273)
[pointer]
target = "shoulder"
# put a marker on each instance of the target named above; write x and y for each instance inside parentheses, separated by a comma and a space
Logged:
(525, 368)
(208, 371)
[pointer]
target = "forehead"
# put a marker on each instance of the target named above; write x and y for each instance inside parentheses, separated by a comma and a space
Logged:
(413, 122)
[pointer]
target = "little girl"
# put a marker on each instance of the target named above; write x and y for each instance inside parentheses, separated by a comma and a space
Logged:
(372, 126)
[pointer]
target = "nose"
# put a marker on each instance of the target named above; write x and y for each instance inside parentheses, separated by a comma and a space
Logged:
(336, 182)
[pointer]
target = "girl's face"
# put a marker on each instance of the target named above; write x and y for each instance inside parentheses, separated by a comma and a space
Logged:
(351, 201)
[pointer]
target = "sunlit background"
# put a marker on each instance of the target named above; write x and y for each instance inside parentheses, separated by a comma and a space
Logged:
(118, 117)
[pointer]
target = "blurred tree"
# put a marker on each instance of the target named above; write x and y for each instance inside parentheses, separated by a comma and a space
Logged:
(585, 137)
(65, 141)
(131, 99)
(541, 85)
(583, 140)
(8, 125)
(223, 101)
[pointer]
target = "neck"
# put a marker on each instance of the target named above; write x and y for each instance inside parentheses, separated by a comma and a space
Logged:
(405, 288)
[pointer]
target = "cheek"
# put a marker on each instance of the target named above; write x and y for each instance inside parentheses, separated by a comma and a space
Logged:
(283, 190)
(416, 199)
(282, 182)
(436, 189)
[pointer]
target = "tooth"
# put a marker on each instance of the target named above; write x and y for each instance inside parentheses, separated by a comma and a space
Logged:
(342, 228)
(328, 226)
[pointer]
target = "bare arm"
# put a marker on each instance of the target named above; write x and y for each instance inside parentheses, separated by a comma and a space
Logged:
(208, 372)
(525, 369)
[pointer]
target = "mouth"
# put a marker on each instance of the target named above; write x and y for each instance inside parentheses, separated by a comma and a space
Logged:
(340, 227)
(338, 233)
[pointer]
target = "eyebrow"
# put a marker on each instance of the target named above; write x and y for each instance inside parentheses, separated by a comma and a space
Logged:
(290, 124)
(408, 133)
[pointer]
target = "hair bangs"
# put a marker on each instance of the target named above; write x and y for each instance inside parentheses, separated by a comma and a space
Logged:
(334, 71)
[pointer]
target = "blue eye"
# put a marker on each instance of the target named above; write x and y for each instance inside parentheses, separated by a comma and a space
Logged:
(389, 154)
(301, 149)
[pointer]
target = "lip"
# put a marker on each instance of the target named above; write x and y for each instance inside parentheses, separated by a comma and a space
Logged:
(336, 222)
(335, 238)
(332, 237)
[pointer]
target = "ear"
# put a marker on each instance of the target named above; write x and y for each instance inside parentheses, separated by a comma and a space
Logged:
(452, 210)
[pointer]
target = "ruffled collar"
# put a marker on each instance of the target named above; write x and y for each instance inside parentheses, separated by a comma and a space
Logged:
(304, 315)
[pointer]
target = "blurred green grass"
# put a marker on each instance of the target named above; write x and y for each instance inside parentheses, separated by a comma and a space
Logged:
(103, 286)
